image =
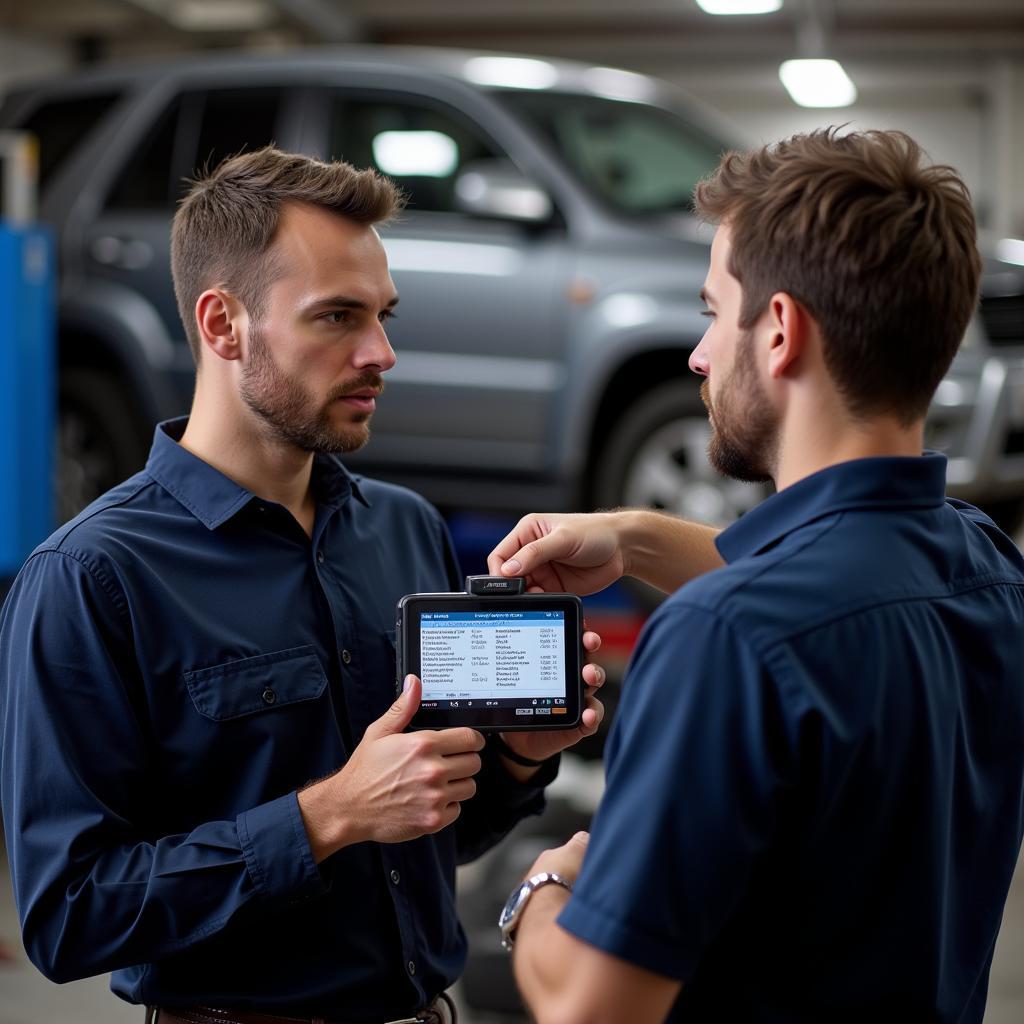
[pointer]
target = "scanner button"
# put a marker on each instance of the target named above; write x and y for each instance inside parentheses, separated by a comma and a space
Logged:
(524, 711)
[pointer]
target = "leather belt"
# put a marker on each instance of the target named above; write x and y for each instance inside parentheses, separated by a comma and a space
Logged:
(440, 1011)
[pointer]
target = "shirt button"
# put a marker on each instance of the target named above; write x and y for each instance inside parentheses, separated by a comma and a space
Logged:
(411, 966)
(346, 657)
(395, 877)
(269, 696)
(320, 557)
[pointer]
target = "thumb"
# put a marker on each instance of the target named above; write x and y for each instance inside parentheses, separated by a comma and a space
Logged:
(581, 839)
(400, 714)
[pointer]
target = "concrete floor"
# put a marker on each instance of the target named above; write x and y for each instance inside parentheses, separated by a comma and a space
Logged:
(26, 997)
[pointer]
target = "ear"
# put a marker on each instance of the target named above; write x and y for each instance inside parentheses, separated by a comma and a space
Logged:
(218, 317)
(789, 328)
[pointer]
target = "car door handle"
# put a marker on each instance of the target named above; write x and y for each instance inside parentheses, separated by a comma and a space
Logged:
(123, 253)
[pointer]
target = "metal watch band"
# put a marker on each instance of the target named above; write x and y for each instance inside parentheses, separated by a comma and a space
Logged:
(520, 896)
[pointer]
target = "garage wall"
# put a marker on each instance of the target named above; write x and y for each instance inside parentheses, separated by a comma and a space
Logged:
(21, 58)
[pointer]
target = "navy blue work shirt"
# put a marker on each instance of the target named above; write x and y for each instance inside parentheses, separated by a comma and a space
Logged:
(816, 773)
(176, 662)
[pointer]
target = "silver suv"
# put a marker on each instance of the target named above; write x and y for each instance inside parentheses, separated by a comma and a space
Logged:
(548, 263)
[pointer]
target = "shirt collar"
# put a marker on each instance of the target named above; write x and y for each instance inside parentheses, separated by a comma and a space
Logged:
(214, 498)
(885, 482)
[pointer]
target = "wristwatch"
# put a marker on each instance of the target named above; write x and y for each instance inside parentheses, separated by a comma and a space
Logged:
(509, 919)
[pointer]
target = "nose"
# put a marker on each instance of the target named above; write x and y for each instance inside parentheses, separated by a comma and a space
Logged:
(375, 350)
(698, 360)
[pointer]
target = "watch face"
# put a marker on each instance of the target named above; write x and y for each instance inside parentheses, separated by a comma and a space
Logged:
(515, 901)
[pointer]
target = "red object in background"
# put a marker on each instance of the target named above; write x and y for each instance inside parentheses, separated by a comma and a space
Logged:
(619, 631)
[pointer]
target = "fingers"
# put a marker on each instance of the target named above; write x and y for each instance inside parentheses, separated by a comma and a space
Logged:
(461, 789)
(447, 816)
(458, 741)
(531, 545)
(507, 547)
(591, 641)
(462, 766)
(594, 675)
(592, 716)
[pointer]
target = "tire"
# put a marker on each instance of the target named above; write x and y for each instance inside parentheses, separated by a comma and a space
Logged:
(100, 440)
(656, 457)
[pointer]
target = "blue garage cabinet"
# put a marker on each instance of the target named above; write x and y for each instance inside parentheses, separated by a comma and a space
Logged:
(27, 390)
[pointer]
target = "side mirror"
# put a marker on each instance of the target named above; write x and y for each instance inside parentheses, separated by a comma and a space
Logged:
(496, 188)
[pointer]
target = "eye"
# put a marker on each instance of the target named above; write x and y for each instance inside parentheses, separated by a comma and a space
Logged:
(386, 315)
(336, 317)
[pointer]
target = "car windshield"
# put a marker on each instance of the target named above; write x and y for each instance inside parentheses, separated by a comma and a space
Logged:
(636, 157)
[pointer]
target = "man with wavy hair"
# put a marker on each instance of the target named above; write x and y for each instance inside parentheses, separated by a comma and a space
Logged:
(816, 774)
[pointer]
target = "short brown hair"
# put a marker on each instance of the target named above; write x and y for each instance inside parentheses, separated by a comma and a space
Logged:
(879, 246)
(225, 225)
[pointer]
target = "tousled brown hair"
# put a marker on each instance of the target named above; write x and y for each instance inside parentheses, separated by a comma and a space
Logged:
(224, 228)
(879, 246)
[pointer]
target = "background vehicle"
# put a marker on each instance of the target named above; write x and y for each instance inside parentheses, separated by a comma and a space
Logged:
(548, 264)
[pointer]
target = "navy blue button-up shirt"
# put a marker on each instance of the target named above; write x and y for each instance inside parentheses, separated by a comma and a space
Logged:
(816, 773)
(174, 664)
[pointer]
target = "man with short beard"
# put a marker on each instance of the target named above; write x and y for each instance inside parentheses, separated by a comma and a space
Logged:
(816, 774)
(183, 659)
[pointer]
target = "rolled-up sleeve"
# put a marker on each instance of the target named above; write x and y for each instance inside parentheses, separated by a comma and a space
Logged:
(96, 888)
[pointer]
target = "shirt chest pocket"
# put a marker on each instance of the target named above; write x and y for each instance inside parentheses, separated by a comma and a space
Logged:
(249, 686)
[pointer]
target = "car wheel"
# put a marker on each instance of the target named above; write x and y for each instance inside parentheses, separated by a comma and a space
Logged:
(100, 441)
(656, 457)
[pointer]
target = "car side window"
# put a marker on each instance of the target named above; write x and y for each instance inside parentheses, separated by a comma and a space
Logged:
(420, 146)
(60, 125)
(196, 131)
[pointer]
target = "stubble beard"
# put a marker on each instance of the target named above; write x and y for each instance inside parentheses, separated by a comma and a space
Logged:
(288, 411)
(744, 426)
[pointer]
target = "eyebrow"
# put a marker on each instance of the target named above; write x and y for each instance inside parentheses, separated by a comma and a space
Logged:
(345, 302)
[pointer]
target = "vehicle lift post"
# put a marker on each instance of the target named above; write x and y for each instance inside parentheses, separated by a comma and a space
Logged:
(28, 384)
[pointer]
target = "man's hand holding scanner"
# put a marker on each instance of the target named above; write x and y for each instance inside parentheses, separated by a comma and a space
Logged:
(396, 786)
(540, 745)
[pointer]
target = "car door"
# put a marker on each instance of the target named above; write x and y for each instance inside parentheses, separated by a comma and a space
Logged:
(480, 332)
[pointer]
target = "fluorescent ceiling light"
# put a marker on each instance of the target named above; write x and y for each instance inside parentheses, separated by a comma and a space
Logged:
(817, 83)
(614, 84)
(739, 6)
(211, 15)
(428, 154)
(1011, 250)
(511, 72)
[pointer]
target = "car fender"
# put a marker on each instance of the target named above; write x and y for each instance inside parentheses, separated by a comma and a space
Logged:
(615, 330)
(133, 336)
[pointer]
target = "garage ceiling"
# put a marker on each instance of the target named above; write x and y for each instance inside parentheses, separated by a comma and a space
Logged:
(643, 33)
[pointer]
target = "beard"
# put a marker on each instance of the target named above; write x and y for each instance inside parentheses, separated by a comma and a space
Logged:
(289, 411)
(744, 426)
